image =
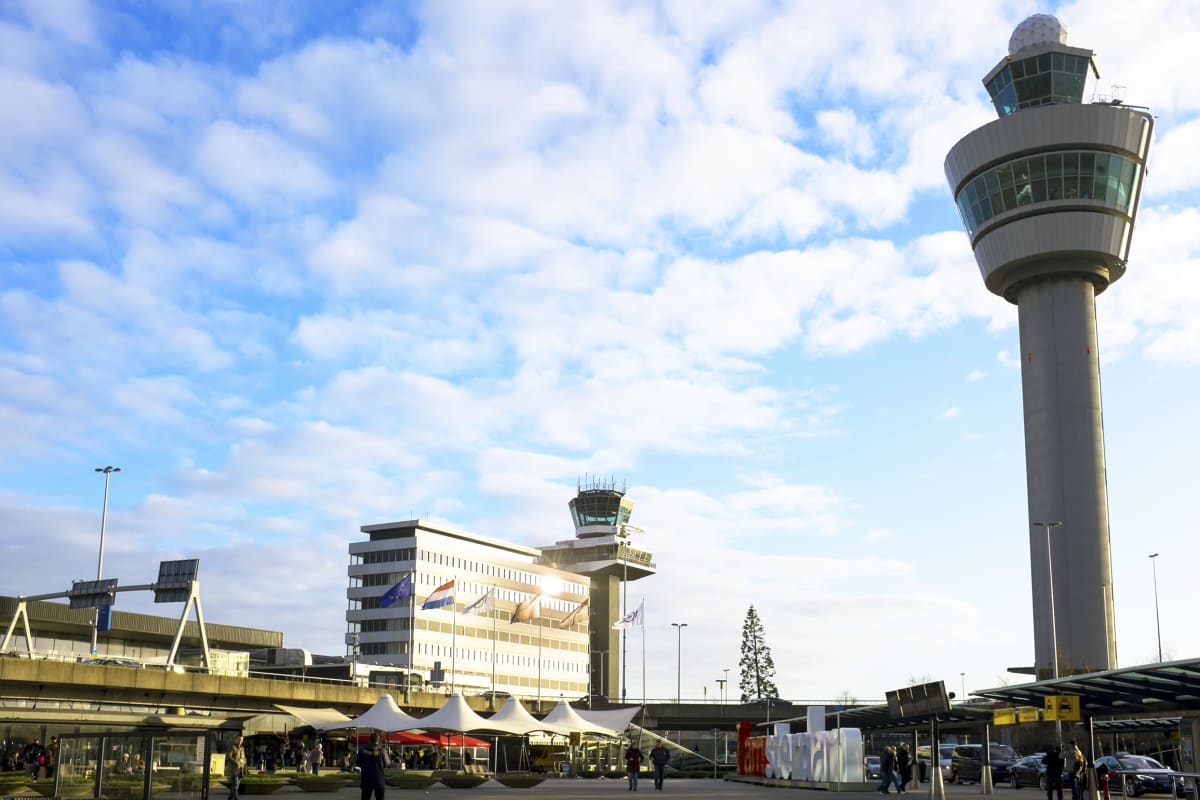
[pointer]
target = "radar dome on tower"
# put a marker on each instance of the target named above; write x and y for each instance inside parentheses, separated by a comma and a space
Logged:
(1038, 29)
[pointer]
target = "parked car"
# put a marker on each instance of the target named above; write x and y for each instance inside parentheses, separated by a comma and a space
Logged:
(945, 751)
(873, 768)
(1028, 771)
(1142, 775)
(966, 764)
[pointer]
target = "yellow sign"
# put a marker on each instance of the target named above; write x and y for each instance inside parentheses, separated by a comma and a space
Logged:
(1004, 716)
(1027, 713)
(1062, 707)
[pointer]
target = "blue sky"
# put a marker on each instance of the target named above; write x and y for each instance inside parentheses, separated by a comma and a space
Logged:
(299, 267)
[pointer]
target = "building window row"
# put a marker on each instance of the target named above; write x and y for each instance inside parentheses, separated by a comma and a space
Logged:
(491, 570)
(1069, 175)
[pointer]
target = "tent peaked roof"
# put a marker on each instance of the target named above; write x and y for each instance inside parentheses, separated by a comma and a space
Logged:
(385, 715)
(323, 719)
(612, 719)
(567, 718)
(455, 715)
(515, 714)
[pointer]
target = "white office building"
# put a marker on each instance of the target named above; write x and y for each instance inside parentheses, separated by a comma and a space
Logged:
(544, 657)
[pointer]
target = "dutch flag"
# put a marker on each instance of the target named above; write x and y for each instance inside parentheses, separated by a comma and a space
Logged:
(442, 596)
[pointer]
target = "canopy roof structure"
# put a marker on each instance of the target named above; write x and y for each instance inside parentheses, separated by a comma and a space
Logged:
(565, 717)
(610, 722)
(513, 713)
(455, 715)
(322, 719)
(385, 715)
(1148, 688)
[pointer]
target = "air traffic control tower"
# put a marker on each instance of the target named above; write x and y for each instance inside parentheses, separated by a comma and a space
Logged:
(1048, 194)
(602, 550)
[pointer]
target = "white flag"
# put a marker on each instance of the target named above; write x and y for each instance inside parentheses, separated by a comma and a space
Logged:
(633, 619)
(483, 605)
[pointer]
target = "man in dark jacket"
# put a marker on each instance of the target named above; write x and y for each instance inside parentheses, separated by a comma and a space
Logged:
(1054, 769)
(373, 759)
(659, 758)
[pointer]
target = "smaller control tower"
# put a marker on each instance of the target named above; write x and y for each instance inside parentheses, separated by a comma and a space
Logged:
(602, 550)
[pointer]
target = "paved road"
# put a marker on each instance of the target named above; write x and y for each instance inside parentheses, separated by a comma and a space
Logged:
(678, 789)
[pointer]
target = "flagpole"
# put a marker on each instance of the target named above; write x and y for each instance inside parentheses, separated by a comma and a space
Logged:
(493, 703)
(453, 640)
(412, 631)
(539, 627)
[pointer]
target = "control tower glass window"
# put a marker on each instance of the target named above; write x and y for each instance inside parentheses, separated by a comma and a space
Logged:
(1039, 80)
(1069, 175)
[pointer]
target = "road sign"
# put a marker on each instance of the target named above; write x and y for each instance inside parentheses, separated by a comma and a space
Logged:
(1028, 713)
(175, 578)
(93, 594)
(1062, 707)
(1004, 716)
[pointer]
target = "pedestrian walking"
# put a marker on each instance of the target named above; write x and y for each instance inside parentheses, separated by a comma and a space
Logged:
(658, 759)
(904, 763)
(235, 767)
(633, 765)
(887, 771)
(373, 759)
(1054, 772)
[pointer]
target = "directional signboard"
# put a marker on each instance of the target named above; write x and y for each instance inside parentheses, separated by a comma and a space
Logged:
(1062, 707)
(923, 700)
(1028, 713)
(93, 594)
(174, 584)
(1004, 716)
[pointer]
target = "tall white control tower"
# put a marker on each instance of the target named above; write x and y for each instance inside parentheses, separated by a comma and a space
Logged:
(1048, 194)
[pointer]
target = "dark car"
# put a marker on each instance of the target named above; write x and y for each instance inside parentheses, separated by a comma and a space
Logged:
(966, 764)
(1028, 771)
(1141, 775)
(945, 751)
(873, 768)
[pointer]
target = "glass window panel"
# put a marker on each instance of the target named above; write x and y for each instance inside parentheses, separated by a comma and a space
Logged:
(1010, 198)
(1126, 183)
(992, 182)
(1087, 163)
(1070, 163)
(1043, 62)
(1018, 69)
(1070, 187)
(1005, 173)
(1053, 165)
(1037, 167)
(1039, 190)
(1054, 188)
(997, 202)
(1058, 62)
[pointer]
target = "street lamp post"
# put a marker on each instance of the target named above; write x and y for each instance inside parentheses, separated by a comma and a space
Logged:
(679, 626)
(963, 676)
(108, 471)
(1157, 624)
(726, 683)
(1053, 624)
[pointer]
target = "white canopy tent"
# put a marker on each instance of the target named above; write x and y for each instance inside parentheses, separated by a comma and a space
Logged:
(455, 715)
(516, 715)
(385, 715)
(567, 718)
(321, 719)
(612, 722)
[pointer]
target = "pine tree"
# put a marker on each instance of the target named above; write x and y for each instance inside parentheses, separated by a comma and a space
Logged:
(756, 666)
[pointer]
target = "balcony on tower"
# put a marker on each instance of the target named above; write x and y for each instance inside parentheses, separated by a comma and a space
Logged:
(601, 512)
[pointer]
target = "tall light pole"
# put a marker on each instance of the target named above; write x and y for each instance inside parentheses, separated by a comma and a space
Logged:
(963, 676)
(1053, 624)
(678, 626)
(108, 471)
(726, 683)
(1157, 624)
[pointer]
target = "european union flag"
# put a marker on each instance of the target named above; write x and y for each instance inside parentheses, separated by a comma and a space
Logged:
(401, 591)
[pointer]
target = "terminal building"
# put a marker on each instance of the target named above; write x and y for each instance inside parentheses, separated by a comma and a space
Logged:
(532, 622)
